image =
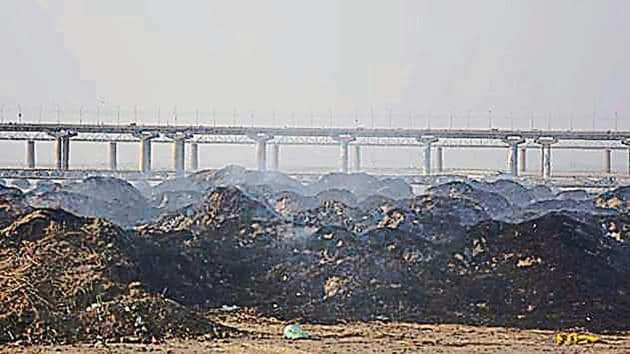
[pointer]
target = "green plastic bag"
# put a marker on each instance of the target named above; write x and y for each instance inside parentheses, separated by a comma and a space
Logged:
(294, 332)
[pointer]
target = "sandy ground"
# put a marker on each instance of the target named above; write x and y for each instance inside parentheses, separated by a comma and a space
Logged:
(265, 336)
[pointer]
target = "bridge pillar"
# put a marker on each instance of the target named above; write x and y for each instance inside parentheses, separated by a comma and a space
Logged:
(113, 156)
(545, 154)
(145, 155)
(343, 141)
(357, 158)
(59, 153)
(66, 153)
(261, 149)
(194, 156)
(62, 148)
(179, 151)
(439, 154)
(426, 142)
(627, 143)
(522, 160)
(607, 161)
(145, 150)
(30, 154)
(275, 157)
(513, 143)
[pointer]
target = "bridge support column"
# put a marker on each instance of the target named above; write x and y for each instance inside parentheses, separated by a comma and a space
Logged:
(194, 156)
(426, 142)
(59, 153)
(513, 143)
(547, 161)
(30, 154)
(145, 150)
(261, 155)
(145, 155)
(179, 151)
(522, 160)
(66, 153)
(343, 157)
(275, 157)
(113, 156)
(439, 155)
(607, 161)
(513, 160)
(357, 158)
(344, 141)
(627, 143)
(545, 152)
(261, 150)
(62, 148)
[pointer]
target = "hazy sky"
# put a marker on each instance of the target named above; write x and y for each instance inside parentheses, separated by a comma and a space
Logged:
(553, 59)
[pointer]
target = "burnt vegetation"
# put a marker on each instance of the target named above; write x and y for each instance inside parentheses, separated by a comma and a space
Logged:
(99, 260)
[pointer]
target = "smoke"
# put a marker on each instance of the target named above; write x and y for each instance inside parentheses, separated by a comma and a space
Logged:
(286, 62)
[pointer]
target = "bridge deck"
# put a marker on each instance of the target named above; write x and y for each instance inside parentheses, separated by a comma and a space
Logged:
(321, 132)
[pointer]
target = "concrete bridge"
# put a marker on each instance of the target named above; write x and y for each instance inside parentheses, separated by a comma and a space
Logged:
(431, 142)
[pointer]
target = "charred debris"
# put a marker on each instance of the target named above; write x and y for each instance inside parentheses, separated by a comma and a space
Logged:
(101, 260)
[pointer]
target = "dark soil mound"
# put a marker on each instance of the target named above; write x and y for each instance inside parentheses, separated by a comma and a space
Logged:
(493, 203)
(207, 255)
(241, 177)
(289, 203)
(331, 213)
(12, 205)
(337, 195)
(339, 276)
(219, 206)
(616, 199)
(362, 185)
(512, 191)
(553, 272)
(64, 279)
(440, 258)
(577, 194)
(105, 197)
(144, 318)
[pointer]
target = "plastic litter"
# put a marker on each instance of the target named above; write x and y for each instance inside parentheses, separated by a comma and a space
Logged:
(295, 332)
(573, 338)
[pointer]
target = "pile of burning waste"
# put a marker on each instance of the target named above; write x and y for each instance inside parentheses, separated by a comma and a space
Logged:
(551, 272)
(492, 253)
(65, 279)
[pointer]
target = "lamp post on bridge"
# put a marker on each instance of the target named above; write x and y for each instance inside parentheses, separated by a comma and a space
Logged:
(616, 121)
(490, 119)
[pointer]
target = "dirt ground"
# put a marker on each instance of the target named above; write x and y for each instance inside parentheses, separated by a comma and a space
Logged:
(265, 336)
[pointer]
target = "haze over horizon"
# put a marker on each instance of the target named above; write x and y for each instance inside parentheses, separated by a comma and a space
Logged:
(420, 60)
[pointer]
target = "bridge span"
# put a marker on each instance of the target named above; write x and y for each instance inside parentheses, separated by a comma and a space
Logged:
(432, 142)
